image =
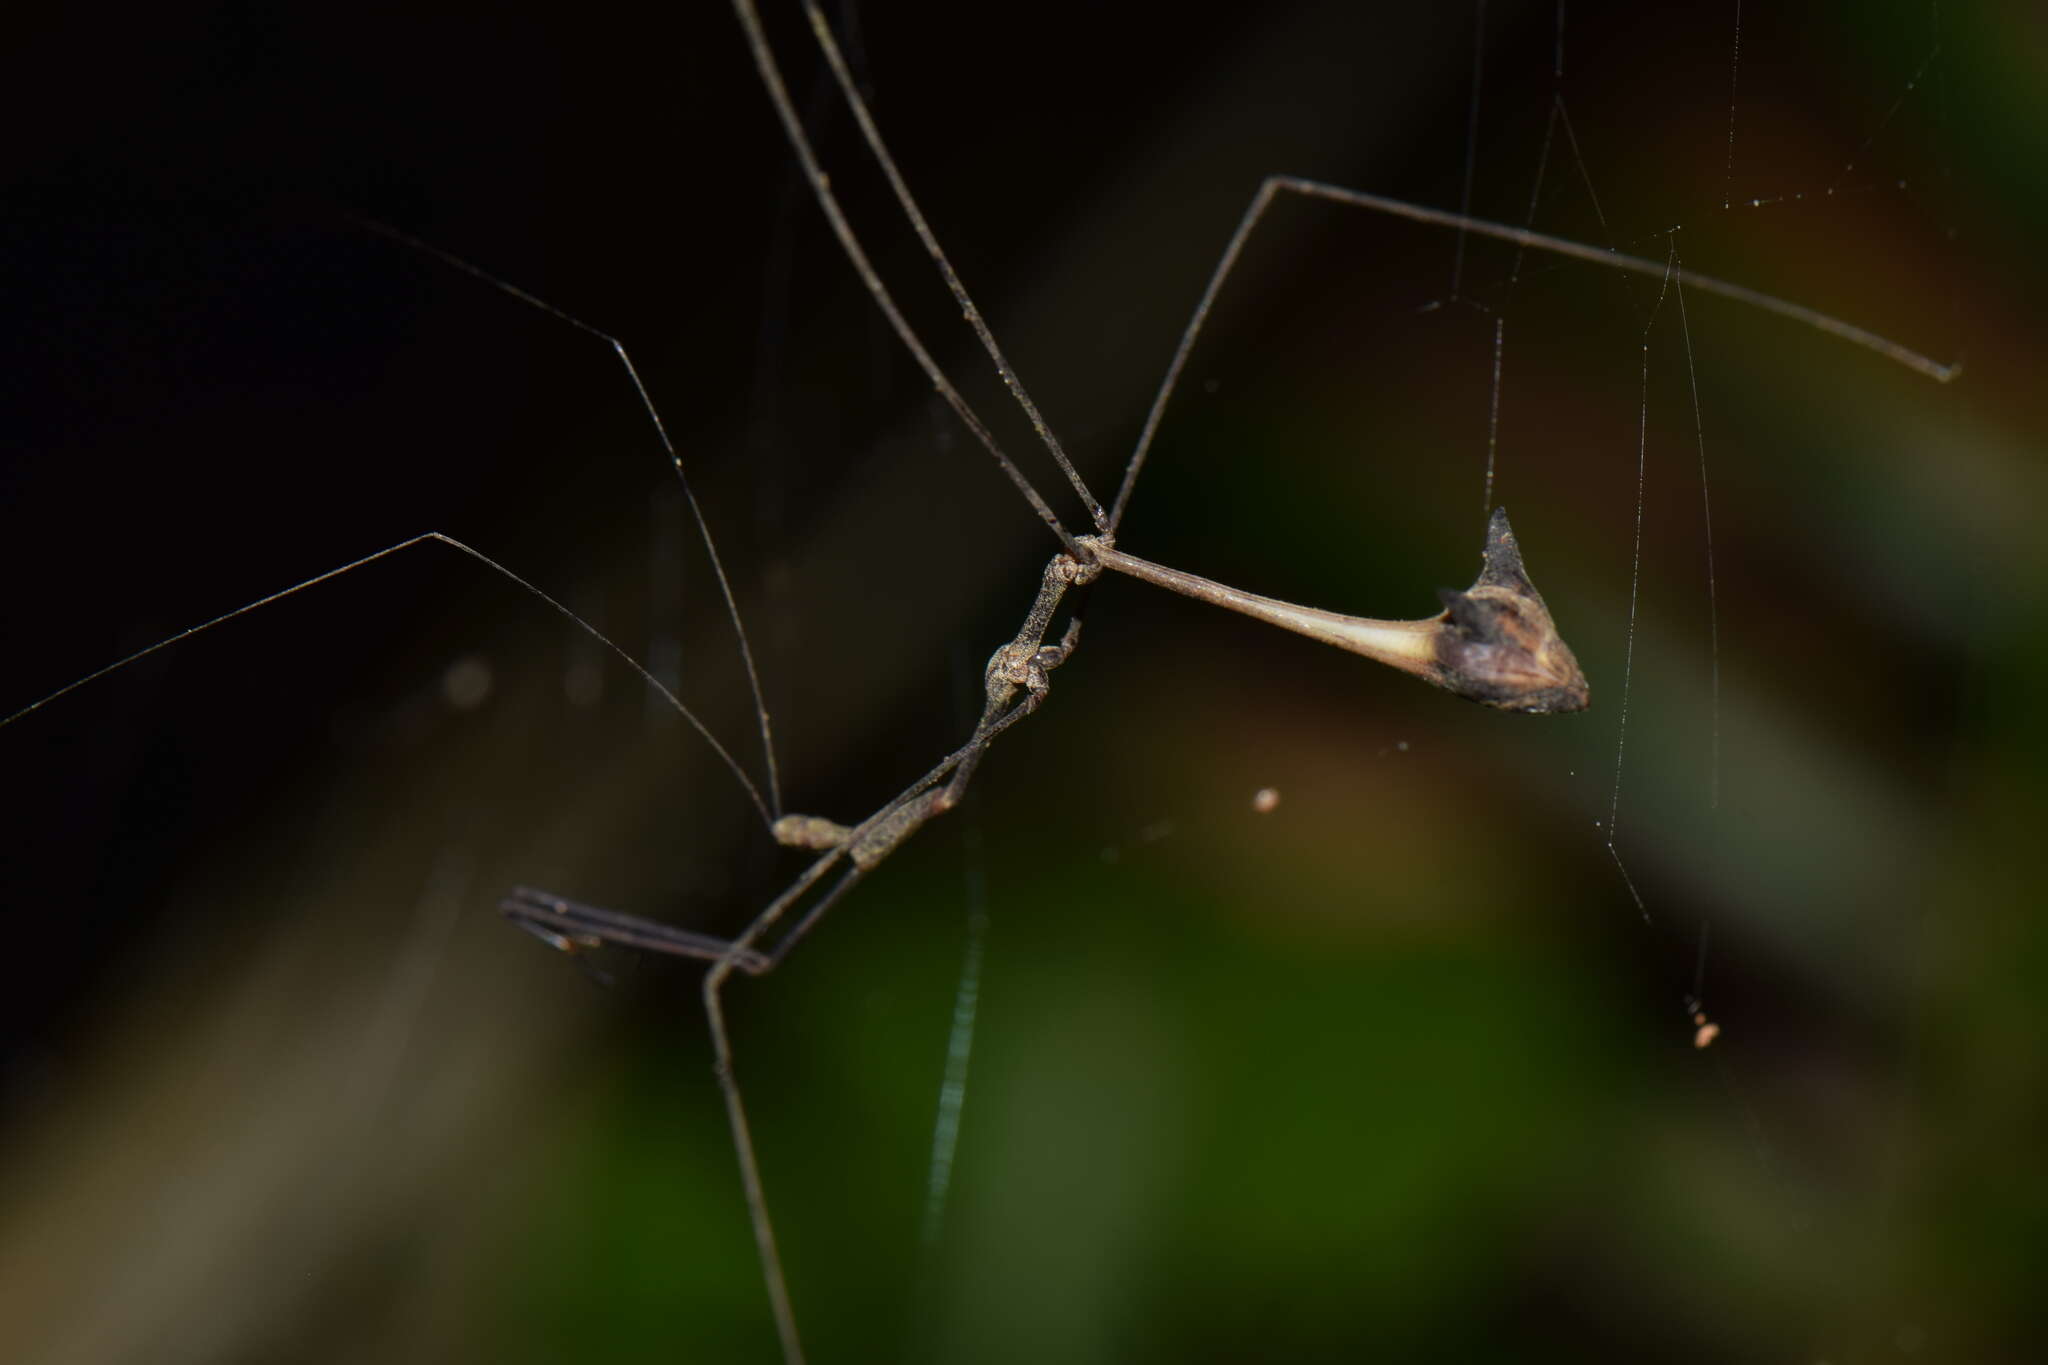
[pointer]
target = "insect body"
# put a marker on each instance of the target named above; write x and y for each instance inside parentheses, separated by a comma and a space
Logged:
(1495, 643)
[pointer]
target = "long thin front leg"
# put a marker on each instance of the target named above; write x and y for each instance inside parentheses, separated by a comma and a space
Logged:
(1521, 237)
(828, 203)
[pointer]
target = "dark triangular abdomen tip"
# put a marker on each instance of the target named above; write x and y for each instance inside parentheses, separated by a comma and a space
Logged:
(1503, 555)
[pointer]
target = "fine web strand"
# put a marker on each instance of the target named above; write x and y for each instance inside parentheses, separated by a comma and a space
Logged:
(1571, 137)
(1635, 584)
(1870, 139)
(1697, 994)
(1699, 430)
(1557, 115)
(1493, 412)
(1840, 184)
(1560, 117)
(1734, 69)
(1471, 140)
(1536, 185)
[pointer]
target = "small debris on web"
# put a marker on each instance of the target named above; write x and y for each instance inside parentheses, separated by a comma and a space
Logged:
(1266, 800)
(1705, 1030)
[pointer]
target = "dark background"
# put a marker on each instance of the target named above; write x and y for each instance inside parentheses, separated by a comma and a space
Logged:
(1398, 1070)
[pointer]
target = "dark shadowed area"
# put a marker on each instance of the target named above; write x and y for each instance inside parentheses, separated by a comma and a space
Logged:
(1401, 1066)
